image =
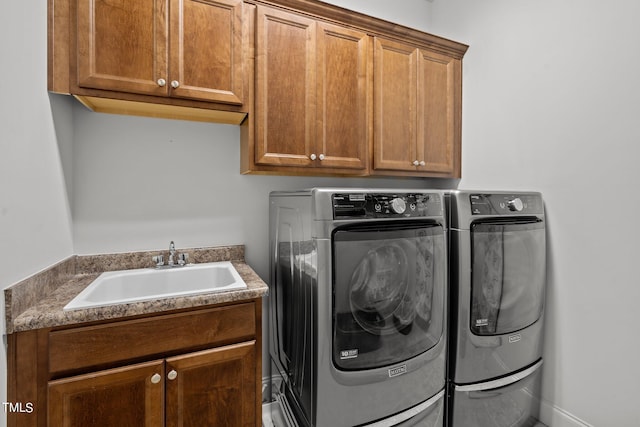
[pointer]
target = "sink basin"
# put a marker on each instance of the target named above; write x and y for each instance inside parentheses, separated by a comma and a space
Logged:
(125, 286)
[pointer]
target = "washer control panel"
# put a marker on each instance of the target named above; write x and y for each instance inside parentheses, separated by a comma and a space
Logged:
(505, 204)
(386, 205)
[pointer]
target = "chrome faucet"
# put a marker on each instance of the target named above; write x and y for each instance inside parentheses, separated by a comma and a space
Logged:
(172, 253)
(175, 259)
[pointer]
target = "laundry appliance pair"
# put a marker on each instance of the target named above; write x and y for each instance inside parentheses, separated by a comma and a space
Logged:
(368, 326)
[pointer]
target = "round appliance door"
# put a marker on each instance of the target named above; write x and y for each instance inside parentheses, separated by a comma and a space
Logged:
(507, 275)
(388, 288)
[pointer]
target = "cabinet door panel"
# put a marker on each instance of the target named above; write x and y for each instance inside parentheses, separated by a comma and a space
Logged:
(123, 397)
(395, 82)
(437, 111)
(342, 121)
(285, 88)
(122, 45)
(213, 387)
(206, 49)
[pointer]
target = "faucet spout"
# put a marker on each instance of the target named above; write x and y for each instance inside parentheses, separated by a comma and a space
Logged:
(172, 253)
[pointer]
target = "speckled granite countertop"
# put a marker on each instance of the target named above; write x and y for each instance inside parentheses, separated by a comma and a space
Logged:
(38, 301)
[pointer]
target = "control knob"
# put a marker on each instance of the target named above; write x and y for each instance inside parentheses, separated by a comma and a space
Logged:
(398, 205)
(515, 205)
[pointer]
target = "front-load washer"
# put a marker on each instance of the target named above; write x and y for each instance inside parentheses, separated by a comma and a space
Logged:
(497, 291)
(357, 305)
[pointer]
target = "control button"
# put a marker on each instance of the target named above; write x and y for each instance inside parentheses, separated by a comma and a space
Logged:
(398, 205)
(515, 205)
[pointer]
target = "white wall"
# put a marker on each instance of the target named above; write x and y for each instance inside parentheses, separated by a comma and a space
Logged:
(35, 222)
(411, 13)
(550, 102)
(140, 183)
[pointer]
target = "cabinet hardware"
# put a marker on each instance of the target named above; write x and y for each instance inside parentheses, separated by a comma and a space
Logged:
(155, 378)
(422, 163)
(162, 82)
(321, 156)
(312, 157)
(175, 84)
(172, 375)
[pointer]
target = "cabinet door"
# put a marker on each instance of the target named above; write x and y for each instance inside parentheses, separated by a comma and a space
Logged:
(213, 387)
(206, 50)
(395, 83)
(122, 45)
(129, 396)
(439, 113)
(343, 97)
(285, 88)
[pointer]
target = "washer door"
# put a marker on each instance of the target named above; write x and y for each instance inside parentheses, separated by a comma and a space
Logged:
(507, 276)
(388, 287)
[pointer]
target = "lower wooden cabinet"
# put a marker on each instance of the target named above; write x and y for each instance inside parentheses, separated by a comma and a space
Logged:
(191, 368)
(209, 388)
(126, 396)
(212, 388)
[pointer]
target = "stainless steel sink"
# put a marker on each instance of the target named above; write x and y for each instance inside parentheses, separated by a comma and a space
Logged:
(125, 286)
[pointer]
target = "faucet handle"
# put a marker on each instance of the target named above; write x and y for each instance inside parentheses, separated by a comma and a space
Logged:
(183, 258)
(158, 259)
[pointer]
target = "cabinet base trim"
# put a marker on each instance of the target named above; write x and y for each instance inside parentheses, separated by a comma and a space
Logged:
(144, 109)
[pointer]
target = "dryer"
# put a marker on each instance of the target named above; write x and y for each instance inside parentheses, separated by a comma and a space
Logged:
(497, 259)
(357, 305)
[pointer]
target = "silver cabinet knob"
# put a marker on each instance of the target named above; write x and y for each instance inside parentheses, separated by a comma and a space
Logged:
(416, 163)
(321, 156)
(312, 157)
(172, 375)
(175, 84)
(155, 378)
(162, 82)
(422, 163)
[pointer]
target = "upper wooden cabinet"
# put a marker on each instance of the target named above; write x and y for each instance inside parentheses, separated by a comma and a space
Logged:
(317, 89)
(205, 55)
(417, 110)
(341, 93)
(312, 95)
(183, 53)
(123, 46)
(183, 48)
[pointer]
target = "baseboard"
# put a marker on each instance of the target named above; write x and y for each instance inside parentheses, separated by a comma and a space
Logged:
(553, 416)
